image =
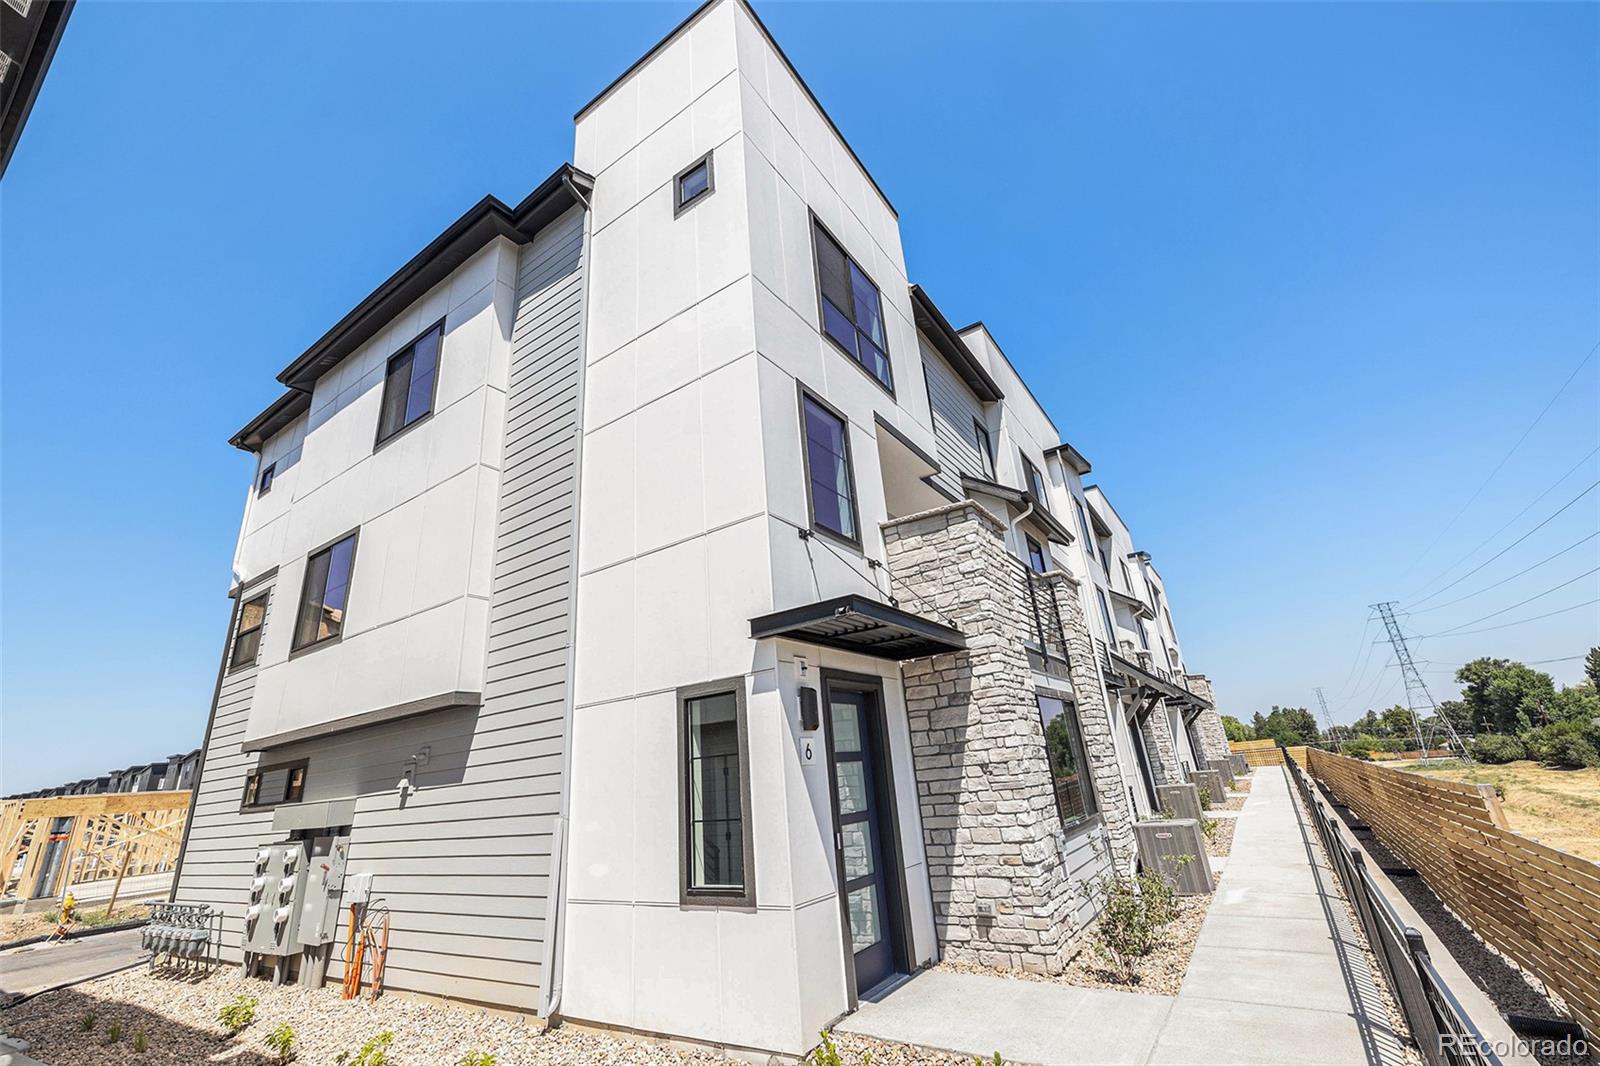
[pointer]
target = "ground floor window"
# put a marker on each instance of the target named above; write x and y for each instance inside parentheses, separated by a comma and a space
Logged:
(714, 795)
(1069, 768)
(269, 786)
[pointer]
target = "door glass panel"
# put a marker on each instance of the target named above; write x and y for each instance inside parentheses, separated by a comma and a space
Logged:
(865, 929)
(852, 779)
(846, 727)
(857, 850)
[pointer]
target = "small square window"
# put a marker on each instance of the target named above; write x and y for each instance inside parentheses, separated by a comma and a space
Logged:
(264, 485)
(690, 185)
(268, 786)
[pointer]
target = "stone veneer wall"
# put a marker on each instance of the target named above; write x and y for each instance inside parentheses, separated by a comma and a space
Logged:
(1212, 736)
(1157, 730)
(988, 806)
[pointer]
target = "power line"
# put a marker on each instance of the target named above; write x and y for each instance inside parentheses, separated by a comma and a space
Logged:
(1530, 662)
(1513, 577)
(1507, 457)
(1514, 606)
(1350, 675)
(1509, 523)
(1513, 544)
(1521, 621)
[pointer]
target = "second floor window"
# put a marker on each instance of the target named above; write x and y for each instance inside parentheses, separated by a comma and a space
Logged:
(1036, 556)
(1127, 578)
(247, 640)
(830, 482)
(980, 436)
(408, 383)
(325, 593)
(852, 311)
(1035, 483)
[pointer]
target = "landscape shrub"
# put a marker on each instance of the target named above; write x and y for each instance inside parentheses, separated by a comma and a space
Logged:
(281, 1040)
(1497, 748)
(1569, 745)
(238, 1015)
(1133, 914)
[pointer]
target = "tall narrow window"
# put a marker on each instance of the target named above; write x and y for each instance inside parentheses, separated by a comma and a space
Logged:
(1036, 555)
(1069, 769)
(1127, 578)
(829, 478)
(852, 310)
(325, 593)
(408, 383)
(714, 794)
(1144, 635)
(1036, 483)
(980, 436)
(1083, 524)
(1105, 616)
(268, 472)
(247, 639)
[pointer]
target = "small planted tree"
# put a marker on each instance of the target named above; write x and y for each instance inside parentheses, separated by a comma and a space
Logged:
(237, 1016)
(281, 1042)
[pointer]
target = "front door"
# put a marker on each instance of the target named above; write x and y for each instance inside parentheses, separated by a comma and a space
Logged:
(866, 841)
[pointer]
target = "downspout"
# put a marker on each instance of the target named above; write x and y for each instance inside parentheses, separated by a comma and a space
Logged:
(551, 972)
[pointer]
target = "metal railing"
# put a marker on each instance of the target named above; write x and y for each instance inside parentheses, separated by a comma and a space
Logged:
(1046, 634)
(1443, 1032)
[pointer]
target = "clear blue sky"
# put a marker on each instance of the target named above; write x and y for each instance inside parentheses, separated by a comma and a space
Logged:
(1293, 276)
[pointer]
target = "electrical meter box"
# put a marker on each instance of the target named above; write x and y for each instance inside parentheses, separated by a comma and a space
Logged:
(319, 906)
(277, 887)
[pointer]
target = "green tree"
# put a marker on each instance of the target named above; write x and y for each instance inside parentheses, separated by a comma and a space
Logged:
(1504, 696)
(1236, 729)
(1287, 725)
(1396, 722)
(1591, 667)
(1576, 703)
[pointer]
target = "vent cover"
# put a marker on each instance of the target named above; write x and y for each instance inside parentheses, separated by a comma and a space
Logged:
(1176, 849)
(1179, 801)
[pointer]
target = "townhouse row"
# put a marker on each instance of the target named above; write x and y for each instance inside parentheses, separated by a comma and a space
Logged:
(689, 628)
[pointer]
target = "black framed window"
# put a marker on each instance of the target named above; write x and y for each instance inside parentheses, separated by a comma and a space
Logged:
(1069, 768)
(408, 384)
(268, 786)
(1144, 635)
(264, 485)
(717, 863)
(1105, 562)
(1105, 615)
(1127, 578)
(1083, 523)
(980, 436)
(852, 309)
(1035, 483)
(830, 479)
(247, 638)
(692, 183)
(325, 593)
(1036, 557)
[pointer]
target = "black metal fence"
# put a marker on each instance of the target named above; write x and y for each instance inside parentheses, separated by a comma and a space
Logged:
(1444, 1033)
(1046, 634)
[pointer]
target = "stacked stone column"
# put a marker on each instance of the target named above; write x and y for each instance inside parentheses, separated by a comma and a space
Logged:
(1157, 729)
(1096, 717)
(1212, 736)
(994, 841)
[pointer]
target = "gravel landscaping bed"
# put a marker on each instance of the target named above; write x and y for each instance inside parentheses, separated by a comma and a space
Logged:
(179, 1018)
(1158, 973)
(1234, 802)
(1241, 783)
(1220, 842)
(856, 1050)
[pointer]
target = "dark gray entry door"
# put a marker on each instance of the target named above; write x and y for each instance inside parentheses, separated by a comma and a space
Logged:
(866, 868)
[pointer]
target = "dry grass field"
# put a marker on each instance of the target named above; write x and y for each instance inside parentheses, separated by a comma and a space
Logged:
(1560, 808)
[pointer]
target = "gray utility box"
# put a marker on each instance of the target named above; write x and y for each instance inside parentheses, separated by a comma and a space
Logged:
(1179, 801)
(319, 905)
(272, 917)
(1211, 781)
(1176, 849)
(1223, 767)
(1241, 765)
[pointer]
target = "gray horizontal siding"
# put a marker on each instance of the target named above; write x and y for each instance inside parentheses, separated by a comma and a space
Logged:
(954, 409)
(464, 865)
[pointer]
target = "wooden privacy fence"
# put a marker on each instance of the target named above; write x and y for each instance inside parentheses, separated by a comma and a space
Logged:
(49, 844)
(1535, 904)
(1265, 752)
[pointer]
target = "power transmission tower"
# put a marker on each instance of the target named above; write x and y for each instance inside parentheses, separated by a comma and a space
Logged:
(1417, 694)
(1327, 719)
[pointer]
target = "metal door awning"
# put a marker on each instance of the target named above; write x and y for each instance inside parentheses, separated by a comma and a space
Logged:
(856, 623)
(1164, 687)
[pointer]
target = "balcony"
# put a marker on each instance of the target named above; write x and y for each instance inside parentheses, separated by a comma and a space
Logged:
(1046, 638)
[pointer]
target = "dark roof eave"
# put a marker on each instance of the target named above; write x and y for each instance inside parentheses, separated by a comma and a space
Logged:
(1072, 457)
(282, 411)
(487, 219)
(1021, 498)
(950, 345)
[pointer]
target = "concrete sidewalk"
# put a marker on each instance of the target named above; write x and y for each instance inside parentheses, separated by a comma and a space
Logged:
(1276, 978)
